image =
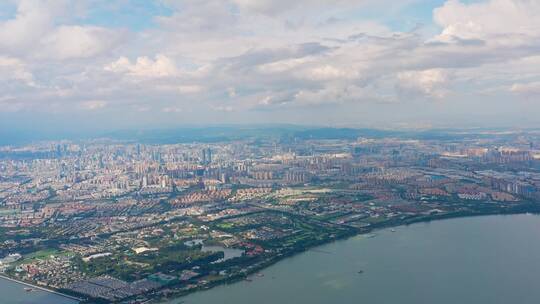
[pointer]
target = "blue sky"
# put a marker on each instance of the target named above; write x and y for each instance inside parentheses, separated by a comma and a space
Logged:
(370, 63)
(136, 15)
(139, 15)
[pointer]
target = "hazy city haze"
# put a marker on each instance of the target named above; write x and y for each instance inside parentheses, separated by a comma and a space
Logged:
(410, 63)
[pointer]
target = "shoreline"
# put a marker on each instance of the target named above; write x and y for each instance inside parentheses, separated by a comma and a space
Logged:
(368, 250)
(178, 295)
(271, 262)
(45, 289)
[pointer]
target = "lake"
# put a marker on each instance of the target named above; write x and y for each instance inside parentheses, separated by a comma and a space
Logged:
(14, 293)
(228, 253)
(494, 259)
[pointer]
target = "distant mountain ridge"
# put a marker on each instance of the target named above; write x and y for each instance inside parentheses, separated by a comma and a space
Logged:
(236, 132)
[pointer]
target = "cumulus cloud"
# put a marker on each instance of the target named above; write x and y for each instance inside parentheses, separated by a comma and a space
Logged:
(330, 95)
(245, 57)
(330, 72)
(15, 69)
(67, 42)
(284, 65)
(161, 66)
(429, 83)
(32, 20)
(34, 32)
(488, 18)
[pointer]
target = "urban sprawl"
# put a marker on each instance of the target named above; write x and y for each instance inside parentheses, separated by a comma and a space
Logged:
(125, 222)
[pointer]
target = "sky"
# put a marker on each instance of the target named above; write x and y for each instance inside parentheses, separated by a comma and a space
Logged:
(118, 64)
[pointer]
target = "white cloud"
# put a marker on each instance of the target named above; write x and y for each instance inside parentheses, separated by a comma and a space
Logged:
(527, 89)
(285, 65)
(161, 66)
(190, 89)
(92, 105)
(35, 32)
(430, 83)
(67, 42)
(275, 7)
(172, 110)
(231, 92)
(32, 20)
(15, 69)
(488, 19)
(239, 56)
(329, 72)
(272, 7)
(223, 108)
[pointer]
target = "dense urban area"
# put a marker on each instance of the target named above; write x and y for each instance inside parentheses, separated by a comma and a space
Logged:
(122, 221)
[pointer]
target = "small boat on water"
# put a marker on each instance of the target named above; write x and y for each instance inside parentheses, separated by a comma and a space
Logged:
(393, 230)
(27, 289)
(370, 235)
(260, 275)
(360, 272)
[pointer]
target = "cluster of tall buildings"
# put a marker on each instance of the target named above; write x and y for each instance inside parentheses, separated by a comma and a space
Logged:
(206, 157)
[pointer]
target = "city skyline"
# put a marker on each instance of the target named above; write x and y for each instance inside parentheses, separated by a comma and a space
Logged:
(100, 65)
(128, 221)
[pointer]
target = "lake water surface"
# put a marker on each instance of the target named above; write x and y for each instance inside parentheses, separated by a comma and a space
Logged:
(14, 293)
(479, 260)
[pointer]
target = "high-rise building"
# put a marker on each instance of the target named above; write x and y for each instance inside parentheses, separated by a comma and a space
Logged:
(209, 155)
(145, 181)
(296, 177)
(224, 178)
(206, 156)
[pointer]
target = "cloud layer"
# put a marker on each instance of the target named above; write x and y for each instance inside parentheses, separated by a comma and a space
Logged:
(274, 61)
